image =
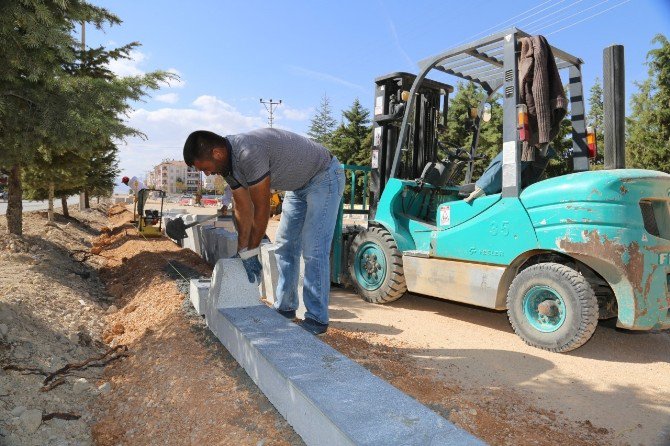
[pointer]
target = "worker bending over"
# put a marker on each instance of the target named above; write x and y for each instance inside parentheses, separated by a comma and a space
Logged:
(138, 189)
(253, 164)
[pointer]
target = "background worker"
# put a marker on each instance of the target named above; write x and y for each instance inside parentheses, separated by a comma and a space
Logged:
(138, 189)
(253, 164)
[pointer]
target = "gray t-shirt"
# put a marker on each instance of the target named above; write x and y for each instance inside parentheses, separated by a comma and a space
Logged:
(291, 160)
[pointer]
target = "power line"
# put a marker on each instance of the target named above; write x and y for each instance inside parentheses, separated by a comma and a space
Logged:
(553, 13)
(270, 106)
(553, 22)
(589, 17)
(511, 19)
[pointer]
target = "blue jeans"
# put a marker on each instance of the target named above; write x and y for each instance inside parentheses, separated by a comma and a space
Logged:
(306, 228)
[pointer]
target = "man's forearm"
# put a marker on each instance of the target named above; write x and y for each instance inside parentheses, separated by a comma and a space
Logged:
(260, 226)
(244, 219)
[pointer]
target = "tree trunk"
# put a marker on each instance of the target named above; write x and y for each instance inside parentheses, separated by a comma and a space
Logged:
(87, 205)
(50, 211)
(66, 211)
(14, 204)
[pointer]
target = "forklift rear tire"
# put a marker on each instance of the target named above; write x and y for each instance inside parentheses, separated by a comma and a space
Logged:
(375, 266)
(552, 307)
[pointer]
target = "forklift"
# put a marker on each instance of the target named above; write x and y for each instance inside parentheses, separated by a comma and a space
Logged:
(557, 254)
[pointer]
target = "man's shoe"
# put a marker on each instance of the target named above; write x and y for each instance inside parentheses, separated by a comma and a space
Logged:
(314, 327)
(288, 314)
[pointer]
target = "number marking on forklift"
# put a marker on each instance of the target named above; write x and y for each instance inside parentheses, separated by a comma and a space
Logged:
(445, 215)
(664, 258)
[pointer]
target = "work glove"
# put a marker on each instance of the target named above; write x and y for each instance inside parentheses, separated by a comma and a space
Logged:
(252, 264)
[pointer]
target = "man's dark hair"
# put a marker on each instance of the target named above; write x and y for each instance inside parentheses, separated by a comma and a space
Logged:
(199, 145)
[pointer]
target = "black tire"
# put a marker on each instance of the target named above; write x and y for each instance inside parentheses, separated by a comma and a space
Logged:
(393, 286)
(349, 233)
(579, 302)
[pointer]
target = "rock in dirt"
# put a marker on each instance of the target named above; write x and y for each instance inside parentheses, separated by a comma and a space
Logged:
(4, 329)
(105, 388)
(112, 309)
(31, 420)
(18, 410)
(80, 386)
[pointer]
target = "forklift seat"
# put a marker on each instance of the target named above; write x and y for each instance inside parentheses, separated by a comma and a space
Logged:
(435, 173)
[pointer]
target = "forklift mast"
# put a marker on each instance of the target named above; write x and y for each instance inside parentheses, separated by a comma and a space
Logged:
(428, 117)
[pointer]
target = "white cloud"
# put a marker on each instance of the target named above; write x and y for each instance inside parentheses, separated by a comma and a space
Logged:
(128, 67)
(167, 128)
(133, 67)
(169, 98)
(294, 114)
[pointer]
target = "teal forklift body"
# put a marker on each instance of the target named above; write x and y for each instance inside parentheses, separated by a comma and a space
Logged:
(618, 223)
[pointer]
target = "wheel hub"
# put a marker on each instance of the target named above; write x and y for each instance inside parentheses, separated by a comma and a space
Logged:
(370, 266)
(548, 308)
(544, 308)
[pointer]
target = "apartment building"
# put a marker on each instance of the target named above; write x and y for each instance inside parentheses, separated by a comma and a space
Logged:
(174, 177)
(209, 182)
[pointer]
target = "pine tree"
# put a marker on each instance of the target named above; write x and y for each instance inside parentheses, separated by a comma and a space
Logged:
(459, 129)
(595, 119)
(351, 142)
(349, 139)
(58, 102)
(648, 128)
(323, 124)
(37, 39)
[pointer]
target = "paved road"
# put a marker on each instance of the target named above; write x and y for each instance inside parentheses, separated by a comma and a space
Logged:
(29, 205)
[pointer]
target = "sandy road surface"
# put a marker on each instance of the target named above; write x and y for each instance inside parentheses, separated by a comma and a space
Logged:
(619, 380)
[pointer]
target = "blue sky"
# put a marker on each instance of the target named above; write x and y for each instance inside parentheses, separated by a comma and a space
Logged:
(231, 54)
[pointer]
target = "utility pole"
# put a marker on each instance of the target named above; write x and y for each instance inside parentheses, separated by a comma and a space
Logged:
(82, 194)
(269, 106)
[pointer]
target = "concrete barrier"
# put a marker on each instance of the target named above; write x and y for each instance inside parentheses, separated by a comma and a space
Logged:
(326, 397)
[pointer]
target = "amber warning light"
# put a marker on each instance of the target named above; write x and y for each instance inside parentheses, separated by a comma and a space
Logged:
(522, 122)
(591, 142)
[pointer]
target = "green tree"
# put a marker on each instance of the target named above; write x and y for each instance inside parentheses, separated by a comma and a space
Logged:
(460, 130)
(323, 123)
(350, 138)
(351, 142)
(72, 109)
(594, 118)
(37, 38)
(648, 135)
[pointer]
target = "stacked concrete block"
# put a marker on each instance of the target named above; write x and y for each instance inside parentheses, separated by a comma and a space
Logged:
(230, 287)
(271, 276)
(226, 243)
(192, 241)
(216, 243)
(199, 293)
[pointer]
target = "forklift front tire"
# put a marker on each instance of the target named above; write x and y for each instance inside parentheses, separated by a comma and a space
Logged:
(552, 307)
(375, 266)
